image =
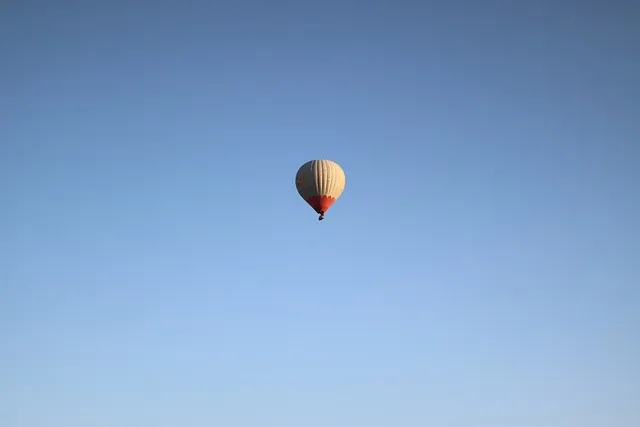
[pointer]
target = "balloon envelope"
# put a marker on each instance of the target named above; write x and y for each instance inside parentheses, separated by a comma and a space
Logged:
(320, 183)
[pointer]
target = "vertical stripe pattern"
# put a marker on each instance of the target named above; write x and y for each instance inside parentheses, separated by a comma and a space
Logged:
(320, 178)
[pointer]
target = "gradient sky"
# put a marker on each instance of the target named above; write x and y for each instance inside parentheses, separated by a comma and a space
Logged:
(158, 268)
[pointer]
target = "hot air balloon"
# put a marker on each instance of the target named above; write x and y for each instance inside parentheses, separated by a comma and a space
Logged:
(320, 183)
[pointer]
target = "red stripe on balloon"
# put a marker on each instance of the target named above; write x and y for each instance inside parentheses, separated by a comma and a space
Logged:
(321, 203)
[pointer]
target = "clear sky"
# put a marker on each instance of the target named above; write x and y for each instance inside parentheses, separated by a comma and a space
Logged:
(158, 268)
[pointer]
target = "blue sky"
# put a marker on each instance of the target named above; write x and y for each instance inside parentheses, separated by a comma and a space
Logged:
(158, 268)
